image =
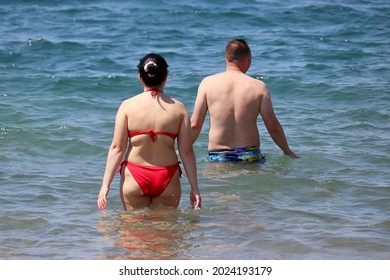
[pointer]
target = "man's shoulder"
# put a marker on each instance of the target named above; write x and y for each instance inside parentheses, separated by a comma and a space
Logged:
(211, 80)
(213, 76)
(259, 84)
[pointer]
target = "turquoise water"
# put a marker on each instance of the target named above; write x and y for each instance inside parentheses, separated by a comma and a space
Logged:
(65, 66)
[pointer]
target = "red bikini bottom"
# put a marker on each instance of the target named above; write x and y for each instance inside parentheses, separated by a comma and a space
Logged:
(153, 180)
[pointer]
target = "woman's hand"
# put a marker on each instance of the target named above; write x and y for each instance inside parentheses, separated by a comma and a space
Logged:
(196, 200)
(102, 198)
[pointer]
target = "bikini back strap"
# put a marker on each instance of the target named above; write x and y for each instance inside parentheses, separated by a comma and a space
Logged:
(153, 134)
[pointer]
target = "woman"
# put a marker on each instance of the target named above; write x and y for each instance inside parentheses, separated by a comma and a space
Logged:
(150, 172)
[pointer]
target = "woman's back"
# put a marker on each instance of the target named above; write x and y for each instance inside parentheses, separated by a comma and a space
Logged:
(155, 121)
(150, 171)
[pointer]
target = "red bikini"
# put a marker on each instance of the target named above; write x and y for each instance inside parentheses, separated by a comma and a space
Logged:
(153, 180)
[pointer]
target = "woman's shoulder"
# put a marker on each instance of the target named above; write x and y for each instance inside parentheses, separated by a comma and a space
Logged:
(133, 99)
(179, 105)
(127, 104)
(172, 101)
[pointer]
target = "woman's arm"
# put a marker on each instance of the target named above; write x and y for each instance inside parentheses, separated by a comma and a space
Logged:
(115, 155)
(187, 155)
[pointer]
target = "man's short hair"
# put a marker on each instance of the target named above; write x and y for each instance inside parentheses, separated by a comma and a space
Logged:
(237, 49)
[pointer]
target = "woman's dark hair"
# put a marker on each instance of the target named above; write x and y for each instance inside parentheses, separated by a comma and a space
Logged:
(153, 68)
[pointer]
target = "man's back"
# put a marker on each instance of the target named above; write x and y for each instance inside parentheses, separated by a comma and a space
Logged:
(233, 100)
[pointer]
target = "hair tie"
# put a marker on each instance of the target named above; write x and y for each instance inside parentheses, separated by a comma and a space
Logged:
(147, 66)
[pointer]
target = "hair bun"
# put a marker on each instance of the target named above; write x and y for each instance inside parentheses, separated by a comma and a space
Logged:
(150, 68)
(153, 69)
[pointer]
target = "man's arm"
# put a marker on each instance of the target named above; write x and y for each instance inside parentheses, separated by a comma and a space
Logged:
(273, 126)
(199, 113)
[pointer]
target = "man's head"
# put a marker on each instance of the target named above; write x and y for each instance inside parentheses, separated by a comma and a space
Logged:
(238, 52)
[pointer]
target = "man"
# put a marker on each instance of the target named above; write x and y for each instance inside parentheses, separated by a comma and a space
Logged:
(234, 101)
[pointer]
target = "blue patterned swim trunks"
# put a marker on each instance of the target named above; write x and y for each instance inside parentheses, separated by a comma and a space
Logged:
(244, 154)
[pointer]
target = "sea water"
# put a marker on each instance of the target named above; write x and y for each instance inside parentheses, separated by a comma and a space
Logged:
(65, 67)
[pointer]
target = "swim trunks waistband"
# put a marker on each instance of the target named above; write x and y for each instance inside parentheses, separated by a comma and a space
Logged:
(243, 154)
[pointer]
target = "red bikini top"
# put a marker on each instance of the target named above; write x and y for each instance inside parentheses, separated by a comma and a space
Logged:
(153, 134)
